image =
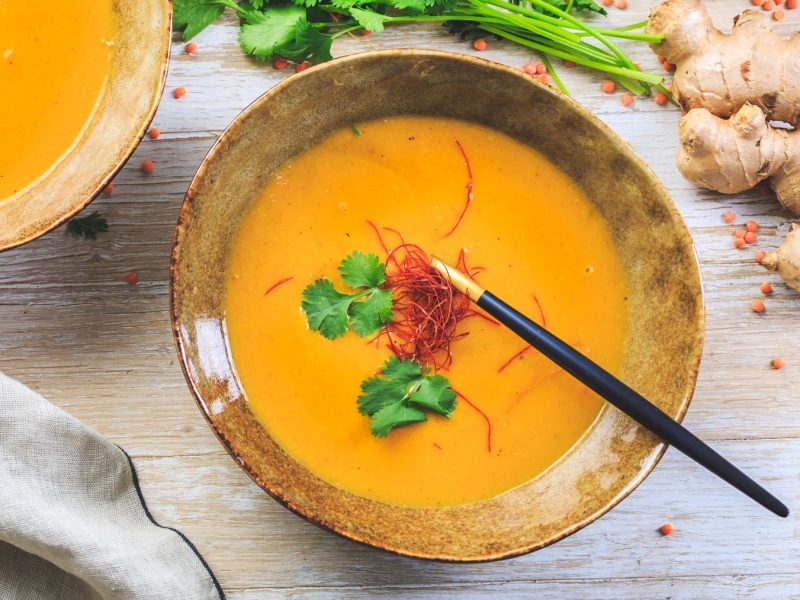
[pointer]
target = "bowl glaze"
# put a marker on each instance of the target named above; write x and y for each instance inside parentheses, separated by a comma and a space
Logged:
(665, 302)
(138, 71)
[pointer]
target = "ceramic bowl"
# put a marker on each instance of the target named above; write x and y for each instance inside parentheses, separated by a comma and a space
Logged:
(138, 72)
(665, 301)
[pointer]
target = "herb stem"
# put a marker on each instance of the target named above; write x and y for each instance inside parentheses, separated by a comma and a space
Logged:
(554, 75)
(592, 64)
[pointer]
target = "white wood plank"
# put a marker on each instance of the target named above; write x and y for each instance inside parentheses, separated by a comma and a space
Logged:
(248, 538)
(669, 588)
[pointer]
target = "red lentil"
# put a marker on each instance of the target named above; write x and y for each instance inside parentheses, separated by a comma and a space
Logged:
(758, 306)
(147, 166)
(179, 92)
(765, 287)
(132, 278)
(777, 363)
(279, 63)
(190, 48)
(479, 44)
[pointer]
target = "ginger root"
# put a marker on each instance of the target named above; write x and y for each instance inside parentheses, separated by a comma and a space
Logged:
(733, 155)
(722, 72)
(786, 260)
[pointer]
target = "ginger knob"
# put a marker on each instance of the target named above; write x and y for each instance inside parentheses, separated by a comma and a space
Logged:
(786, 259)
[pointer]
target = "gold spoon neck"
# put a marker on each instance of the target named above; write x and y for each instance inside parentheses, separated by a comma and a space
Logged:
(460, 281)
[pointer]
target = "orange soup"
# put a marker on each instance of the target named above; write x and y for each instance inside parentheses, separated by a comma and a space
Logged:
(54, 64)
(531, 227)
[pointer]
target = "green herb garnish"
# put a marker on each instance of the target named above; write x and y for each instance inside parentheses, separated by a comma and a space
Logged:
(192, 16)
(303, 30)
(356, 131)
(87, 227)
(332, 312)
(400, 393)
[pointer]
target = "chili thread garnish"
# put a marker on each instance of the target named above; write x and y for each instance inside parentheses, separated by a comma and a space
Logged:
(278, 283)
(485, 418)
(470, 183)
(514, 357)
(534, 384)
(541, 311)
(378, 235)
(437, 446)
(528, 347)
(427, 311)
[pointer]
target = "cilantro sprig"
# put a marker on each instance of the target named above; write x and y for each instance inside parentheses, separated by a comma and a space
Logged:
(400, 393)
(303, 30)
(332, 312)
(88, 226)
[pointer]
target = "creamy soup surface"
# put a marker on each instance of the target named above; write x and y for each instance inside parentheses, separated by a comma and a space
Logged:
(529, 225)
(55, 60)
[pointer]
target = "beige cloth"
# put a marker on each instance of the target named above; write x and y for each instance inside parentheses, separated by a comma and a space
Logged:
(73, 524)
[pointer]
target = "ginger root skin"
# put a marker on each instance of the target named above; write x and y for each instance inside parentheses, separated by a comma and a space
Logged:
(733, 155)
(722, 72)
(786, 259)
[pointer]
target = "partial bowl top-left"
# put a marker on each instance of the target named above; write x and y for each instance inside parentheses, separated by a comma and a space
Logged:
(138, 68)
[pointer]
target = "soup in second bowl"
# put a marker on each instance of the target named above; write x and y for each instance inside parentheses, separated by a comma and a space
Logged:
(54, 66)
(542, 246)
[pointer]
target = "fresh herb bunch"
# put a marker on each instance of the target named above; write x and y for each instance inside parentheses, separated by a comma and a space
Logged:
(400, 393)
(303, 30)
(87, 227)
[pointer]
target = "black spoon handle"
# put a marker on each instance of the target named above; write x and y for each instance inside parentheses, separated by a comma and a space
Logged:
(627, 400)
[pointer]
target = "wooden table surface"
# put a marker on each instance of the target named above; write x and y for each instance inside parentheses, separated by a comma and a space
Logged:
(73, 330)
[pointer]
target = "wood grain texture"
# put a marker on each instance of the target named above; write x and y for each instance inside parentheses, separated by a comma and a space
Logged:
(73, 330)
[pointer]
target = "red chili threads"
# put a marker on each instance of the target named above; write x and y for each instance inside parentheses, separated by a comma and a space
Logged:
(278, 283)
(519, 353)
(485, 418)
(426, 309)
(468, 187)
(514, 357)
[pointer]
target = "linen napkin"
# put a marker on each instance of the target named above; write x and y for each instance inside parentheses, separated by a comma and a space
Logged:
(73, 522)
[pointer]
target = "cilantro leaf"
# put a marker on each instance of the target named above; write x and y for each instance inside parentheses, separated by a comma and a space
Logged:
(417, 6)
(368, 19)
(394, 415)
(398, 395)
(264, 31)
(326, 309)
(192, 16)
(362, 270)
(309, 44)
(347, 3)
(368, 316)
(87, 227)
(435, 394)
(377, 392)
(331, 312)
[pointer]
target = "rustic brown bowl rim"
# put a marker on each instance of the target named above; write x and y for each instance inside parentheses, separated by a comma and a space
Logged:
(127, 150)
(229, 445)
